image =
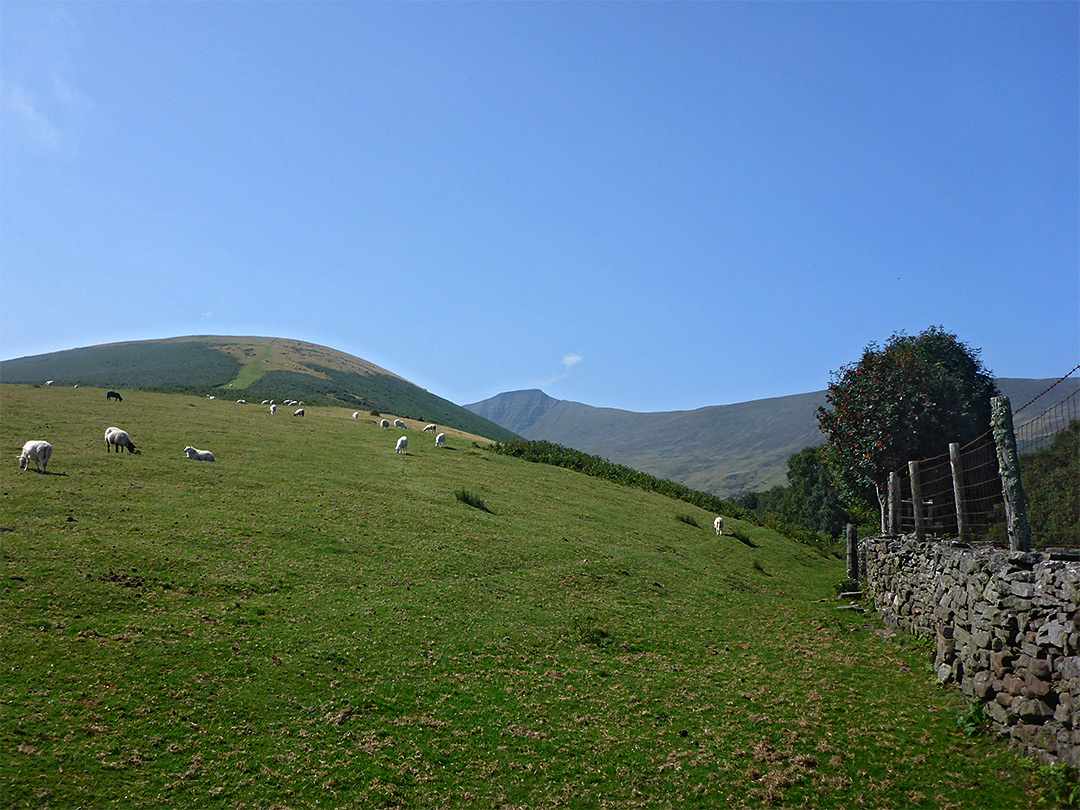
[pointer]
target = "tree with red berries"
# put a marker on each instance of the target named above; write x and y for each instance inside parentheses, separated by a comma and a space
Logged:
(902, 402)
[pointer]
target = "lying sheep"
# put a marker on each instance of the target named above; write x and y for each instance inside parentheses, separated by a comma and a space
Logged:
(402, 445)
(400, 424)
(298, 412)
(115, 437)
(385, 424)
(37, 451)
(718, 524)
(440, 440)
(198, 455)
(430, 428)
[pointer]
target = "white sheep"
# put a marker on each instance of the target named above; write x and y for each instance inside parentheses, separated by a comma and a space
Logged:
(298, 412)
(402, 445)
(718, 524)
(430, 428)
(356, 415)
(115, 437)
(273, 409)
(265, 402)
(400, 424)
(241, 402)
(198, 455)
(49, 382)
(440, 440)
(385, 424)
(37, 451)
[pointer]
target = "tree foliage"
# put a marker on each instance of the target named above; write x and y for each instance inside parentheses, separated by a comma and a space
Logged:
(1052, 485)
(811, 498)
(902, 402)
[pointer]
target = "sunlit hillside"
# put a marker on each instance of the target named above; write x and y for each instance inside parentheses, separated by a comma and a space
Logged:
(315, 620)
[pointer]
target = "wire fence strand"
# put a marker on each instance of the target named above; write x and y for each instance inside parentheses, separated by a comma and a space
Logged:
(1048, 448)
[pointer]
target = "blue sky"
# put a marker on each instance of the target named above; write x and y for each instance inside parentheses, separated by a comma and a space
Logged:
(649, 206)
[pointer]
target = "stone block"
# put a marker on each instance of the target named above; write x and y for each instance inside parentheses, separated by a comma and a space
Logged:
(1035, 688)
(1039, 667)
(1013, 685)
(1001, 662)
(1053, 633)
(1070, 667)
(981, 685)
(997, 713)
(1032, 710)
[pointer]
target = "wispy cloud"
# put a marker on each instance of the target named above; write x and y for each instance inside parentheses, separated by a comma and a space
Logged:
(37, 128)
(568, 362)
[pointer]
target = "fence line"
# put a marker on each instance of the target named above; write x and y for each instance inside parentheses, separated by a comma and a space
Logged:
(982, 494)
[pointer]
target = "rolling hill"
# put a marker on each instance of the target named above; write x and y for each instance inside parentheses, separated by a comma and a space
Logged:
(316, 621)
(724, 449)
(250, 368)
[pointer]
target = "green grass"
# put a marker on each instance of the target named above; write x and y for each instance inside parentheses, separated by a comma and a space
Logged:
(316, 621)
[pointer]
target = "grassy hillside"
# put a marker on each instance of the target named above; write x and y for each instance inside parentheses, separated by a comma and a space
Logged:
(250, 368)
(316, 621)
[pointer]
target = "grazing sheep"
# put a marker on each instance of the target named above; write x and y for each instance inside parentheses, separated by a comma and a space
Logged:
(114, 395)
(115, 437)
(400, 424)
(402, 445)
(356, 415)
(273, 409)
(298, 412)
(385, 424)
(210, 397)
(440, 440)
(241, 402)
(48, 382)
(430, 428)
(38, 451)
(718, 524)
(265, 402)
(198, 455)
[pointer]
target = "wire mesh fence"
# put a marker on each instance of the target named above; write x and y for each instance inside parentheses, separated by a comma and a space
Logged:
(1049, 448)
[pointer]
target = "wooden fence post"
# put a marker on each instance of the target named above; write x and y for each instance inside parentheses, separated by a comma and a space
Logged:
(1009, 468)
(962, 530)
(852, 552)
(894, 503)
(916, 500)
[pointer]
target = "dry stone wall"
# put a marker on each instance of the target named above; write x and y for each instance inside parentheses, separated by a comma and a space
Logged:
(1006, 626)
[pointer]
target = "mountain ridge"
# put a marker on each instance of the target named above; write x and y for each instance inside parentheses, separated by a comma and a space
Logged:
(726, 450)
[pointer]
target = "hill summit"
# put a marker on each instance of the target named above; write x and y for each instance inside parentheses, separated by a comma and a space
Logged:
(252, 368)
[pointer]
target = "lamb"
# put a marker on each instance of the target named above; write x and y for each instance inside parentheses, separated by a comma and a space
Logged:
(356, 415)
(400, 424)
(440, 440)
(298, 412)
(718, 524)
(114, 395)
(430, 428)
(198, 455)
(402, 445)
(385, 424)
(273, 409)
(37, 451)
(115, 437)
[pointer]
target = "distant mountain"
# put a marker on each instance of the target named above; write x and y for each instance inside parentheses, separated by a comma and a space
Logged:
(723, 449)
(252, 368)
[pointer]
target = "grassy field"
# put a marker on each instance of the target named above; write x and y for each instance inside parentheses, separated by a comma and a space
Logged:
(316, 621)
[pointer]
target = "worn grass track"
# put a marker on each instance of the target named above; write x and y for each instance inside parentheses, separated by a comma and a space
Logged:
(316, 621)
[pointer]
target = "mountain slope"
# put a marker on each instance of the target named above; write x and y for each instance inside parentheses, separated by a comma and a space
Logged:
(252, 368)
(722, 449)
